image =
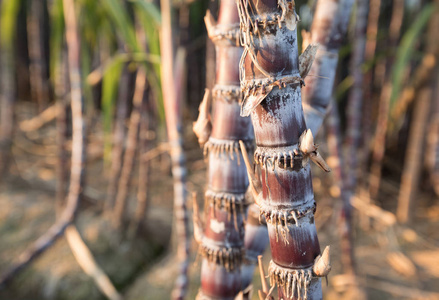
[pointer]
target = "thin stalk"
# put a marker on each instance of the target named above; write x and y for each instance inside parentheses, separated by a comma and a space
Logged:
(87, 262)
(8, 95)
(334, 147)
(328, 29)
(144, 170)
(78, 151)
(37, 64)
(383, 69)
(355, 97)
(415, 147)
(432, 158)
(271, 85)
(414, 156)
(368, 87)
(128, 159)
(61, 131)
(173, 115)
(222, 241)
(119, 134)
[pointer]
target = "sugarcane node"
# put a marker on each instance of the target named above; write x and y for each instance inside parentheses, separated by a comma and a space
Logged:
(227, 257)
(287, 158)
(234, 204)
(228, 93)
(225, 147)
(295, 282)
(322, 263)
(254, 91)
(203, 126)
(221, 34)
(292, 214)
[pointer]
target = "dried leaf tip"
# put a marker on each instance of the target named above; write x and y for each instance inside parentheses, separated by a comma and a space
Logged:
(308, 148)
(254, 181)
(198, 226)
(307, 58)
(322, 264)
(203, 127)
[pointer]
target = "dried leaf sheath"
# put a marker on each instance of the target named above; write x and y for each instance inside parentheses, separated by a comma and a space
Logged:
(283, 150)
(222, 239)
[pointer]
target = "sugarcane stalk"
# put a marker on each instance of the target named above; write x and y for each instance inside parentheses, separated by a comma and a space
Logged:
(61, 131)
(383, 69)
(78, 151)
(271, 83)
(432, 158)
(337, 163)
(328, 30)
(222, 238)
(355, 97)
(7, 94)
(119, 133)
(37, 63)
(368, 86)
(416, 142)
(173, 114)
(128, 159)
(255, 242)
(144, 171)
(413, 158)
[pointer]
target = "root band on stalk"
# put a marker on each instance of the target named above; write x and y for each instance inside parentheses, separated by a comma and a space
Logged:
(229, 93)
(295, 282)
(230, 147)
(229, 258)
(233, 204)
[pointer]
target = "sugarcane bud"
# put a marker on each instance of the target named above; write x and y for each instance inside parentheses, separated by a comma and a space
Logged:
(210, 23)
(309, 149)
(254, 181)
(322, 264)
(203, 127)
(198, 226)
(306, 59)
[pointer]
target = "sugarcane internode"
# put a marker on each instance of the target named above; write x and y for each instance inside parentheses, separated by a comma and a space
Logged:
(272, 74)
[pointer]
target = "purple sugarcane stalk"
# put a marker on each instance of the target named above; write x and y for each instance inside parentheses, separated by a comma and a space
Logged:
(173, 115)
(271, 79)
(222, 238)
(317, 95)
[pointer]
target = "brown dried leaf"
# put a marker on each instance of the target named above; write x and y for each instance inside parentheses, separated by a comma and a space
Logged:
(306, 59)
